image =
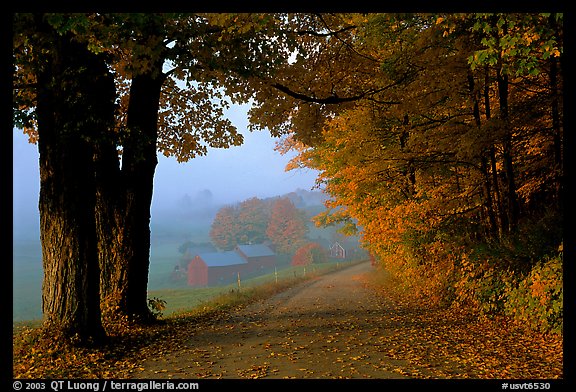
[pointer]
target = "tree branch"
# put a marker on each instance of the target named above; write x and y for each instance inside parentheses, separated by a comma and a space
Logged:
(328, 34)
(331, 100)
(335, 99)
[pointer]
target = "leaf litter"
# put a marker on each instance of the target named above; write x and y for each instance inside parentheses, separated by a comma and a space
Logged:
(374, 333)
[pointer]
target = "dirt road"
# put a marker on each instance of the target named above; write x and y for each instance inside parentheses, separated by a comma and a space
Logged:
(338, 326)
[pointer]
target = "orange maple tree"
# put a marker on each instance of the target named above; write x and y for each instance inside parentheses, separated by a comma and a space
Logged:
(459, 154)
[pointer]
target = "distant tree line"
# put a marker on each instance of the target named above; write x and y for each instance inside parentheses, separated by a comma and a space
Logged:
(254, 221)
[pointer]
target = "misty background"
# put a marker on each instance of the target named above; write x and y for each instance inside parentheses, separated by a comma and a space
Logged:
(185, 200)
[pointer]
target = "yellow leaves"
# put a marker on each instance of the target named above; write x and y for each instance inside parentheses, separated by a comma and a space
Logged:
(254, 371)
(530, 36)
(307, 371)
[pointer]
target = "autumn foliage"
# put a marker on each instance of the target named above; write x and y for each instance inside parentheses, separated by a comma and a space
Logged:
(245, 223)
(287, 227)
(256, 221)
(439, 137)
(451, 169)
(310, 253)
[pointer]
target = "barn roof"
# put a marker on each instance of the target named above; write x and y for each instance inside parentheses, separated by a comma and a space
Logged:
(222, 259)
(257, 250)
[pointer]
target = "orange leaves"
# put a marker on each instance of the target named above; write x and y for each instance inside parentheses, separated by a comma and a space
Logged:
(286, 227)
(537, 300)
(440, 342)
(254, 371)
(310, 253)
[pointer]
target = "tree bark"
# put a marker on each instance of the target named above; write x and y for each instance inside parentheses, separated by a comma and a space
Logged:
(557, 129)
(110, 228)
(126, 202)
(501, 221)
(512, 208)
(75, 105)
(410, 169)
(486, 185)
(138, 166)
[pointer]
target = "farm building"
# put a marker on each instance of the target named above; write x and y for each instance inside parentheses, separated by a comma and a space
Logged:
(337, 251)
(209, 269)
(259, 256)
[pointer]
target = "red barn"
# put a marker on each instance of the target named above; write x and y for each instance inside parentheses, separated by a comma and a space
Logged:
(208, 269)
(213, 268)
(259, 256)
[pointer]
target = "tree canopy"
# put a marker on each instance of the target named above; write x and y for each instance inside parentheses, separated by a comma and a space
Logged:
(169, 79)
(255, 221)
(461, 145)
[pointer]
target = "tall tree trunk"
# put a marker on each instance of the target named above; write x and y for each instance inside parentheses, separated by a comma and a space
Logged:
(110, 228)
(501, 221)
(127, 196)
(75, 106)
(557, 129)
(127, 246)
(556, 79)
(512, 208)
(486, 185)
(138, 166)
(410, 169)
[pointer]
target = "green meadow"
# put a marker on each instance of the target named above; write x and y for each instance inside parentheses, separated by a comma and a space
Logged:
(180, 300)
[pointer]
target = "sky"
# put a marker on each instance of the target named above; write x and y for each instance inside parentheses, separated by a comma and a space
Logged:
(233, 174)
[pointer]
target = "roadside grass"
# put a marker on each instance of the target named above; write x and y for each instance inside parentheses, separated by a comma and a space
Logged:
(181, 300)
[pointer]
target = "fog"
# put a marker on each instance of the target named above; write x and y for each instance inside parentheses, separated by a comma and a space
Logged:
(230, 175)
(186, 197)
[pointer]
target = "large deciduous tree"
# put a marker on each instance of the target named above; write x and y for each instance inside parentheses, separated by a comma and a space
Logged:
(177, 68)
(242, 224)
(225, 229)
(125, 193)
(253, 216)
(74, 110)
(309, 253)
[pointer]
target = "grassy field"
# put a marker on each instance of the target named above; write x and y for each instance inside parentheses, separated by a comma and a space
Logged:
(167, 236)
(27, 280)
(27, 275)
(164, 255)
(168, 233)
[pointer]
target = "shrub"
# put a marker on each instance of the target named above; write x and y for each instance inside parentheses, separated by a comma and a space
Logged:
(537, 299)
(156, 306)
(482, 283)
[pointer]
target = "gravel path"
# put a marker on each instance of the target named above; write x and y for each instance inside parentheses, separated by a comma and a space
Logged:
(324, 328)
(339, 326)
